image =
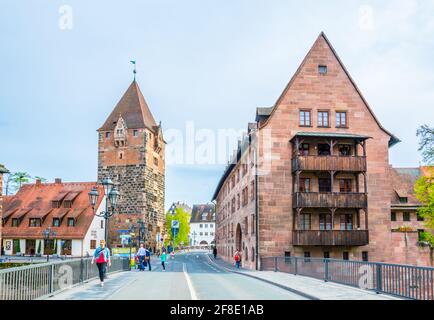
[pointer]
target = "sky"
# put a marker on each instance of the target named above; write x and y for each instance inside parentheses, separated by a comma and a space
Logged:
(209, 64)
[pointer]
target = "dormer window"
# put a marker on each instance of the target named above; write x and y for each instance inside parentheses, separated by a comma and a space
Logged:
(67, 204)
(55, 204)
(71, 222)
(56, 222)
(34, 222)
(322, 69)
(15, 222)
(204, 216)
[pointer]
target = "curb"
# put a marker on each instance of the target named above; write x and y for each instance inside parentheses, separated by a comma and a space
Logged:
(300, 293)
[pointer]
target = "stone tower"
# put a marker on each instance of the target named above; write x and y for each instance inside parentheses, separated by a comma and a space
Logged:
(131, 153)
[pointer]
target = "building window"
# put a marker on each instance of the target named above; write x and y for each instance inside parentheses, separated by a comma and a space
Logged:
(344, 150)
(406, 216)
(326, 255)
(107, 135)
(303, 150)
(403, 200)
(304, 185)
(71, 222)
(206, 225)
(252, 191)
(323, 119)
(67, 204)
(324, 149)
(346, 222)
(135, 133)
(345, 185)
(287, 256)
(102, 224)
(365, 256)
(305, 118)
(211, 233)
(253, 255)
(305, 221)
(306, 256)
(201, 225)
(238, 202)
(322, 69)
(325, 185)
(393, 216)
(121, 155)
(346, 255)
(325, 222)
(15, 222)
(155, 161)
(211, 225)
(34, 222)
(56, 222)
(55, 204)
(201, 233)
(92, 244)
(341, 120)
(206, 234)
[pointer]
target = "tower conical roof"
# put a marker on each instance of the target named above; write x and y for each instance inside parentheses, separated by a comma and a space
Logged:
(133, 109)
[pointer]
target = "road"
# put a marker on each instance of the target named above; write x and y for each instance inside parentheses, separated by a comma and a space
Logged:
(188, 276)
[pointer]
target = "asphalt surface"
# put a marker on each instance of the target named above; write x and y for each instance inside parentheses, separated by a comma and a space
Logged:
(188, 276)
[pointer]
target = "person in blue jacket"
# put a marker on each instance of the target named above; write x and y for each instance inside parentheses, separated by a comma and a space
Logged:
(102, 258)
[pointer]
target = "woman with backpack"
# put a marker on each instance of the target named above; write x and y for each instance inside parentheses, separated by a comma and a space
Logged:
(102, 258)
(237, 258)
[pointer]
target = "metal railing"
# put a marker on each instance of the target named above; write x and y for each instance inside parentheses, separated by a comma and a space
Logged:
(405, 281)
(45, 279)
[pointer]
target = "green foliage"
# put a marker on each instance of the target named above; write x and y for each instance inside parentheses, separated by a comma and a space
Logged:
(424, 189)
(43, 180)
(17, 246)
(426, 143)
(18, 178)
(184, 226)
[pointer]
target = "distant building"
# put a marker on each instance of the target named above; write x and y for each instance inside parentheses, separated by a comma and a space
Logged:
(3, 170)
(64, 207)
(202, 225)
(131, 153)
(182, 205)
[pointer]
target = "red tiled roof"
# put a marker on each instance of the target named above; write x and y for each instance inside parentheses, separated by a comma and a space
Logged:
(133, 109)
(403, 181)
(36, 202)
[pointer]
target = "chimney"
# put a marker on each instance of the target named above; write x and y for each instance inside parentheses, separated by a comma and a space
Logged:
(38, 182)
(57, 180)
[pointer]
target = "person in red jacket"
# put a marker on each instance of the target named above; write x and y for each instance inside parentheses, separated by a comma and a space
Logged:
(237, 258)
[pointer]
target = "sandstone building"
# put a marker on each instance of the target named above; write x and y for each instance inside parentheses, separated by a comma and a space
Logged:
(202, 225)
(312, 177)
(131, 152)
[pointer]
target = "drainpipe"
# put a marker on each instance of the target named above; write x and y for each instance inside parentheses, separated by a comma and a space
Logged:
(257, 199)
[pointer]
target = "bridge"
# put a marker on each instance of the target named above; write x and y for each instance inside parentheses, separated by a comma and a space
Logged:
(196, 275)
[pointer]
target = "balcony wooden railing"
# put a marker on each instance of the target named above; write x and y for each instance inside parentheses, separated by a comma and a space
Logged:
(329, 163)
(330, 238)
(329, 200)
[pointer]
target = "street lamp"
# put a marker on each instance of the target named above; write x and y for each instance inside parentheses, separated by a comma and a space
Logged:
(47, 233)
(111, 202)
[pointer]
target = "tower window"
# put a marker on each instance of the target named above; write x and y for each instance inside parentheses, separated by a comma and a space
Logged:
(322, 69)
(135, 133)
(155, 161)
(107, 135)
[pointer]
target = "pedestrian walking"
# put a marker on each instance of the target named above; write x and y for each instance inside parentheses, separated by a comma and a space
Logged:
(237, 258)
(102, 258)
(163, 260)
(141, 253)
(148, 257)
(214, 251)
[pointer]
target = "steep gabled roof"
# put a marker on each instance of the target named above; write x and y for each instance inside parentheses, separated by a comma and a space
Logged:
(393, 139)
(205, 210)
(133, 109)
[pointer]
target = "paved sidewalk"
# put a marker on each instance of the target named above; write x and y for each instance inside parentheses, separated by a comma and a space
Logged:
(312, 287)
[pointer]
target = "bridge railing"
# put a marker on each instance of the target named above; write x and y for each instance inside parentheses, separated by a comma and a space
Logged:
(405, 281)
(42, 280)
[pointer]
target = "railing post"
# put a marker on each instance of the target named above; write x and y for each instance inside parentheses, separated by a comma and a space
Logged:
(295, 266)
(379, 277)
(275, 264)
(81, 269)
(51, 288)
(326, 270)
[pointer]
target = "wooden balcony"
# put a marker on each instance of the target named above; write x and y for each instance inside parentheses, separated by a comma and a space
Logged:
(329, 163)
(329, 200)
(330, 238)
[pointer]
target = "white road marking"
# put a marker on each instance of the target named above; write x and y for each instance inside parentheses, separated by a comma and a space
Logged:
(190, 285)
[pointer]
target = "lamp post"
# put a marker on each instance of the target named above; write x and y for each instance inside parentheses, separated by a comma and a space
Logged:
(47, 233)
(111, 201)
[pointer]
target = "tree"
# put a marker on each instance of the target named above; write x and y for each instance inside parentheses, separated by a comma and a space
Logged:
(424, 189)
(426, 143)
(184, 226)
(18, 178)
(43, 180)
